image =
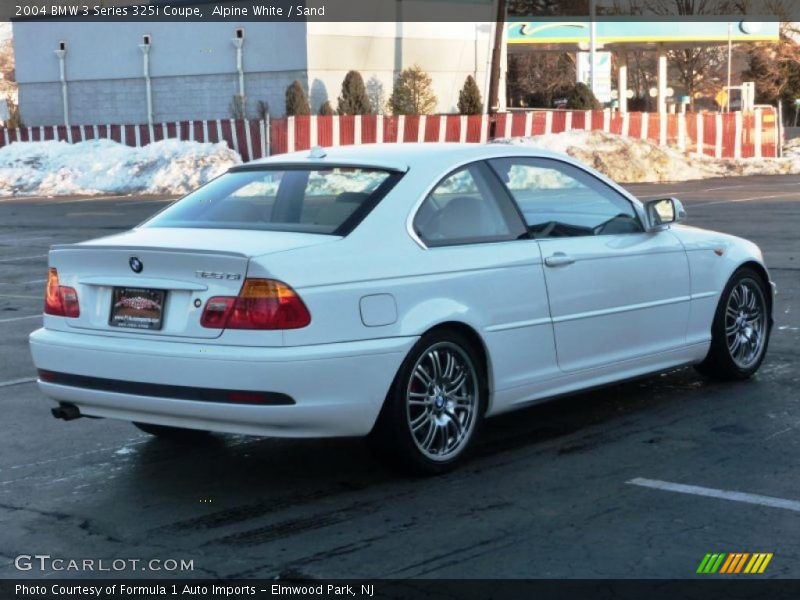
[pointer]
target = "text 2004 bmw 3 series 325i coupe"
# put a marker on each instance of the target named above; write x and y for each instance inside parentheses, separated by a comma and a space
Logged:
(403, 292)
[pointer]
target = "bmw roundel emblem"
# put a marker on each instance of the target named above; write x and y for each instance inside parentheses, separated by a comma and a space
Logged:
(136, 264)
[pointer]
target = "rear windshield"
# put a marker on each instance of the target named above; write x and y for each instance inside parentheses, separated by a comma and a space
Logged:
(328, 201)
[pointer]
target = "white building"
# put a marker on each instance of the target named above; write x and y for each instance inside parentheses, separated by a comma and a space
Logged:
(193, 66)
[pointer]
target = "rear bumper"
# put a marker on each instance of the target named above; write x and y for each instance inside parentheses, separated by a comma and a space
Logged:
(338, 389)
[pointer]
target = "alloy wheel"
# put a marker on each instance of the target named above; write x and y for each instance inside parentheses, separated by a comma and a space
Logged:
(746, 323)
(442, 401)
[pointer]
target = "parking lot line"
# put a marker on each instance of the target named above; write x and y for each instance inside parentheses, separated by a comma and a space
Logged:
(23, 258)
(750, 199)
(659, 195)
(23, 282)
(11, 320)
(15, 238)
(20, 296)
(11, 382)
(696, 490)
(90, 199)
(792, 184)
(139, 202)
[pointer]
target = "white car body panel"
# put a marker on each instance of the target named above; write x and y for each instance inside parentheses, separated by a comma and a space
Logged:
(629, 305)
(596, 295)
(710, 271)
(343, 406)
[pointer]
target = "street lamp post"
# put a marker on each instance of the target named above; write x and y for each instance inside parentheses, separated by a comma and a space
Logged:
(61, 53)
(148, 89)
(238, 43)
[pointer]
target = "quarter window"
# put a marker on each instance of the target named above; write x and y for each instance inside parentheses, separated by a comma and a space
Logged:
(467, 207)
(560, 200)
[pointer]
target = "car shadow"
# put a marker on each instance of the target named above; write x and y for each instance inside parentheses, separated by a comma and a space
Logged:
(241, 464)
(229, 491)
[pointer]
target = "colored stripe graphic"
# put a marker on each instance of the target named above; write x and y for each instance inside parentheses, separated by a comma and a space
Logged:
(728, 563)
(758, 563)
(703, 563)
(715, 565)
(741, 562)
(732, 563)
(711, 563)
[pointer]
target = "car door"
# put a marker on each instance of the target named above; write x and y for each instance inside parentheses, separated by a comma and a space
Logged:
(491, 273)
(616, 292)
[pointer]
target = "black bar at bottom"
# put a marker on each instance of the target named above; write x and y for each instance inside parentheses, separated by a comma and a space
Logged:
(174, 392)
(711, 588)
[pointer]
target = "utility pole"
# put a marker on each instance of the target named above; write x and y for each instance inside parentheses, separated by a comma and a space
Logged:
(730, 54)
(497, 50)
(592, 46)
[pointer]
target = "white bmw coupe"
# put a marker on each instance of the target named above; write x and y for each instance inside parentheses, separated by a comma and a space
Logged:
(404, 292)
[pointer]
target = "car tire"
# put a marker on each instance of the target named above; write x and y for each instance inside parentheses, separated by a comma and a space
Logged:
(435, 406)
(741, 327)
(171, 433)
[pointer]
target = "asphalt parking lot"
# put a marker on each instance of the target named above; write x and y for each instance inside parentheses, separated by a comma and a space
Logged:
(549, 492)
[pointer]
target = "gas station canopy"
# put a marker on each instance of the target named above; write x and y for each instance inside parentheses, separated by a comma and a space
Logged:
(641, 32)
(566, 36)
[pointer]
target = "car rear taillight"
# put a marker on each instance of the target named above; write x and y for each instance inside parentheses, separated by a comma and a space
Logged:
(261, 304)
(60, 300)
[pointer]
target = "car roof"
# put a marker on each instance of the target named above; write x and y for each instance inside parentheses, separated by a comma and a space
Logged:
(401, 156)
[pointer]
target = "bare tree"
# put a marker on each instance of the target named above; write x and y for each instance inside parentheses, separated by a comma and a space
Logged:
(775, 69)
(555, 8)
(698, 70)
(377, 95)
(8, 84)
(533, 78)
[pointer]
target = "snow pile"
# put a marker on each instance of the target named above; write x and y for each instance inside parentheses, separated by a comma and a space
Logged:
(106, 167)
(632, 160)
(791, 149)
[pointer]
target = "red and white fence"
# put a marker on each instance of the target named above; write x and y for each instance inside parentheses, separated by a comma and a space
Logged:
(729, 135)
(248, 138)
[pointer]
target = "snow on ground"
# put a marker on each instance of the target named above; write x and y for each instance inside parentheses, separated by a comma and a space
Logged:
(791, 149)
(632, 160)
(106, 167)
(176, 167)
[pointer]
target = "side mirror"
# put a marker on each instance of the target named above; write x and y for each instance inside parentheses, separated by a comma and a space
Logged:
(662, 212)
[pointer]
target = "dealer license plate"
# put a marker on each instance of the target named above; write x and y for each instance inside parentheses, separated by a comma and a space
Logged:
(137, 308)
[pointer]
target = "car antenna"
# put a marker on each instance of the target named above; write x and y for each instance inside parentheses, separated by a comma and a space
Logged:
(317, 152)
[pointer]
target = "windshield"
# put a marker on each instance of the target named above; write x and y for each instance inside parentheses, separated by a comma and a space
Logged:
(328, 201)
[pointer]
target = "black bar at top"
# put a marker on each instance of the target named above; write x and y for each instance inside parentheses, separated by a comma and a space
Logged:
(440, 11)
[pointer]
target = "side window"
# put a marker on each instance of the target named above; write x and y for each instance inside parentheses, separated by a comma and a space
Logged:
(559, 200)
(467, 207)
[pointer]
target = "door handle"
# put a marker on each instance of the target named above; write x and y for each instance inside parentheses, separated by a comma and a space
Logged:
(559, 259)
